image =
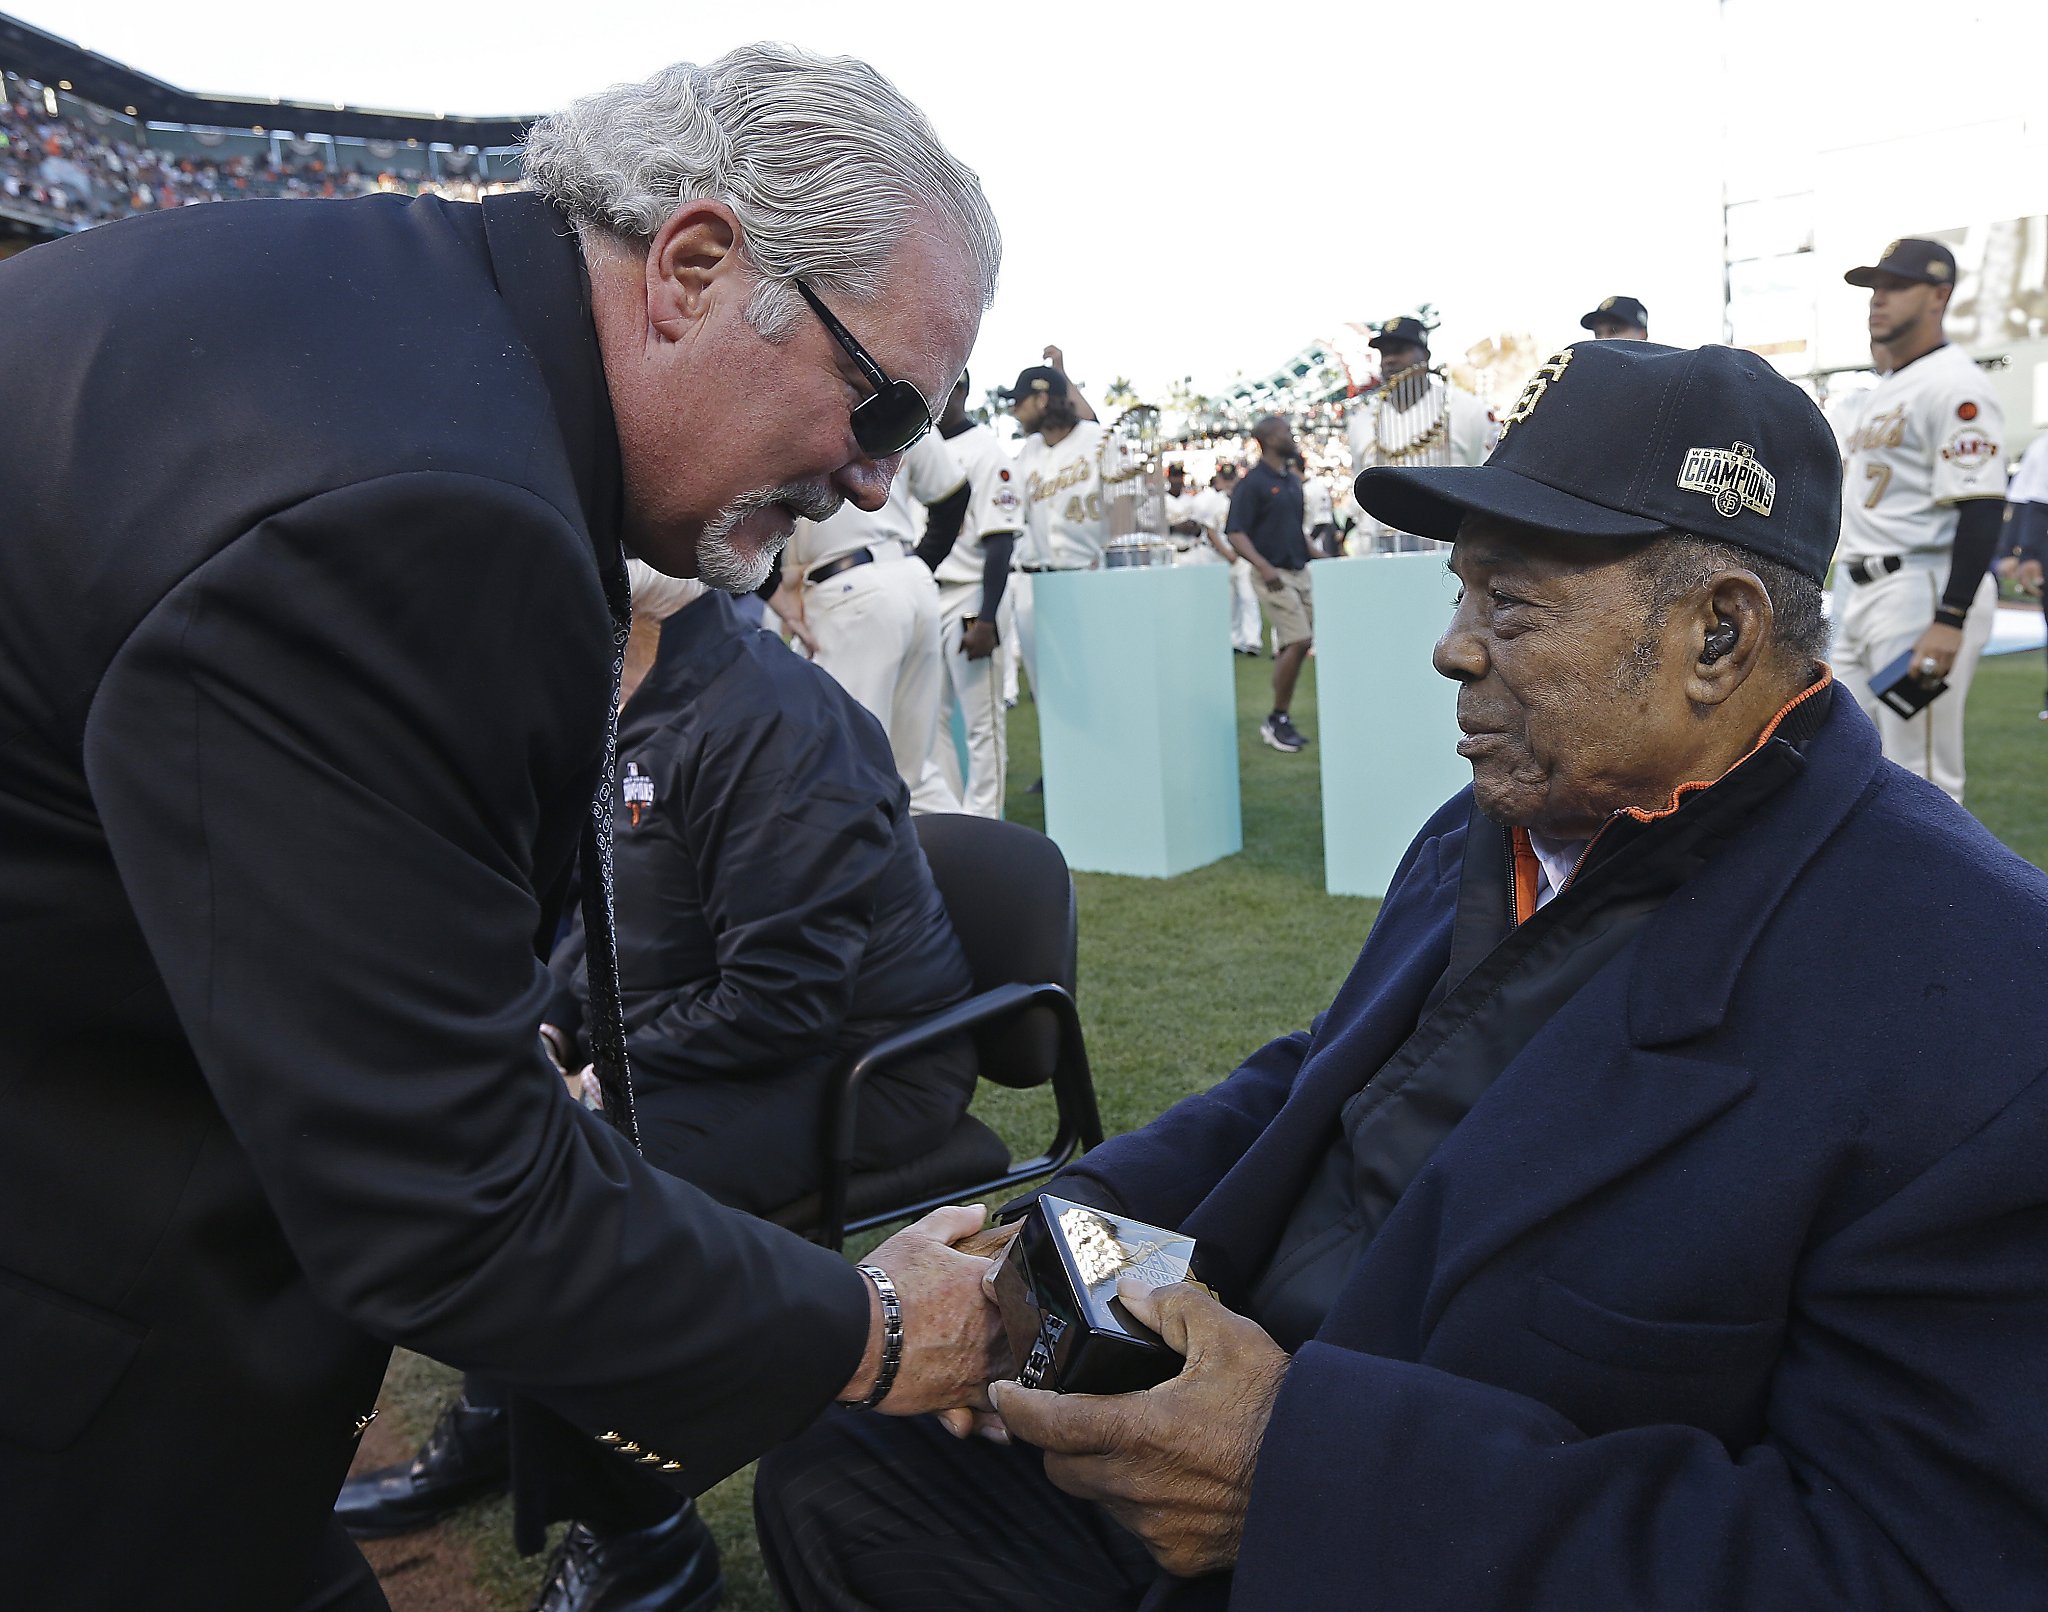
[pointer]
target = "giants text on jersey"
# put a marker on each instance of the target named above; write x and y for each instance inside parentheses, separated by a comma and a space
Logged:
(1922, 440)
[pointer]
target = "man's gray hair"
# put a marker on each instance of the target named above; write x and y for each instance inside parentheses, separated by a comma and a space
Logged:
(1678, 564)
(826, 165)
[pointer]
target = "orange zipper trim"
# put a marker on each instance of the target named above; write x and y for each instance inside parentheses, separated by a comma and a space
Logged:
(1525, 853)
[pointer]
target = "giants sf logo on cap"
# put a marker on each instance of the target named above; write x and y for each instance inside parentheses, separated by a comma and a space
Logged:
(1731, 477)
(1539, 383)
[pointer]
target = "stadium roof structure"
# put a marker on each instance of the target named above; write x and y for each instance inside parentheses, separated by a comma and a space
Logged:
(46, 57)
(1321, 372)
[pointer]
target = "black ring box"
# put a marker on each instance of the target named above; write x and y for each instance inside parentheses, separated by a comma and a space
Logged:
(1056, 1288)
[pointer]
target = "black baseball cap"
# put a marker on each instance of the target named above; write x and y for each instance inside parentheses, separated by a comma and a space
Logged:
(1629, 439)
(1929, 262)
(1402, 331)
(1042, 378)
(1623, 310)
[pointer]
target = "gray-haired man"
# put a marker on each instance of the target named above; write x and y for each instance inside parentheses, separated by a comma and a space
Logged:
(310, 594)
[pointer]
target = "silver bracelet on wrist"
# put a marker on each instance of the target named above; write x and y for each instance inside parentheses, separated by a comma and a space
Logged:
(892, 1339)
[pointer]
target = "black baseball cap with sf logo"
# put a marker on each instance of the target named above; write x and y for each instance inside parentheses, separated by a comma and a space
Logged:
(1622, 310)
(1928, 262)
(1042, 379)
(1628, 440)
(1401, 331)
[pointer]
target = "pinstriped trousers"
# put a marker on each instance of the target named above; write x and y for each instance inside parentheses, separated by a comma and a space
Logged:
(866, 1513)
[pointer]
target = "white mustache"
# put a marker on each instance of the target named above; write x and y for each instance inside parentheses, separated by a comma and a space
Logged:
(720, 561)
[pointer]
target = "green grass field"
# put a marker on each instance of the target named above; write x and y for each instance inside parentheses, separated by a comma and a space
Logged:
(1180, 978)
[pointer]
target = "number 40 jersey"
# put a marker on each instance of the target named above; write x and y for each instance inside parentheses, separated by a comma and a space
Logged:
(1064, 526)
(1915, 445)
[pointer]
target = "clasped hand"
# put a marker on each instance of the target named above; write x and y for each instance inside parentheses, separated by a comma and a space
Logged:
(1173, 1464)
(953, 1342)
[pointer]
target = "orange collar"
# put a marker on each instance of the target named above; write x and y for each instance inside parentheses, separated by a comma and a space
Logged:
(1526, 866)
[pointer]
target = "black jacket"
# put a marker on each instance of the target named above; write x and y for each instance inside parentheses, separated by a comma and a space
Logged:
(303, 672)
(1729, 1292)
(774, 907)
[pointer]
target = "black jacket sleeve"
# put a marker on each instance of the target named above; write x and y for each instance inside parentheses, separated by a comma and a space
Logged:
(323, 763)
(789, 831)
(565, 1004)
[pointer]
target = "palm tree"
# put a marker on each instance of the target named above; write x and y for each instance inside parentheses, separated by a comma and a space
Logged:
(1121, 394)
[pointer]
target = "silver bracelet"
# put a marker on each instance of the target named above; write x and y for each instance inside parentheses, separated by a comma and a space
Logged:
(892, 1339)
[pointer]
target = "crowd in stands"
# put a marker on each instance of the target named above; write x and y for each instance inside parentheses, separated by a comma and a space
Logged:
(77, 175)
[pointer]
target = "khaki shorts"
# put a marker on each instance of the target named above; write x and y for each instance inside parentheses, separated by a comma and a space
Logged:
(1288, 609)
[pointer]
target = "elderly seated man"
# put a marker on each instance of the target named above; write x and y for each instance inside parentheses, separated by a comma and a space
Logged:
(1658, 1217)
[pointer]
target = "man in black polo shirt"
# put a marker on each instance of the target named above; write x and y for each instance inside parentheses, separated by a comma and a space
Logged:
(1265, 527)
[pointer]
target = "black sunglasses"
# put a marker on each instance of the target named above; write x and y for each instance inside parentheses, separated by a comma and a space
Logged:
(897, 415)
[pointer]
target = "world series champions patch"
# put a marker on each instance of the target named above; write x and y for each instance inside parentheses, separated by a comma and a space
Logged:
(636, 789)
(1731, 477)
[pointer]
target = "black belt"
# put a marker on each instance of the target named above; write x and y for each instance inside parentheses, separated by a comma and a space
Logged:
(1871, 570)
(1040, 570)
(845, 562)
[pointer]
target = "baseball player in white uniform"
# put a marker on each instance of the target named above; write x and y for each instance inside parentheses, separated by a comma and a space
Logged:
(1181, 525)
(1414, 417)
(1059, 470)
(2025, 537)
(1922, 500)
(1209, 509)
(973, 576)
(1318, 512)
(870, 616)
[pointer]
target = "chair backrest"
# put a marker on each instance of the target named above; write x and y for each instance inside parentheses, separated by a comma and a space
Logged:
(1011, 899)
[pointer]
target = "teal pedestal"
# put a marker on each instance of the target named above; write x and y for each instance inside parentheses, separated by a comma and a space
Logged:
(1137, 718)
(1388, 725)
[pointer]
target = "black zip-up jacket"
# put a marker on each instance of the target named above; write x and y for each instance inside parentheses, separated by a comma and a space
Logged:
(774, 907)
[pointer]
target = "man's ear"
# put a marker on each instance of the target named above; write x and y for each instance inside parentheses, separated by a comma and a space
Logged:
(692, 258)
(1726, 634)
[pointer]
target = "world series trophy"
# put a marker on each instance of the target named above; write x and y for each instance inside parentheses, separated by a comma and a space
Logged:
(1134, 486)
(1056, 1288)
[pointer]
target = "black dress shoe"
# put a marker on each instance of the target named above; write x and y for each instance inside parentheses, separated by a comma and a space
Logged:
(670, 1567)
(466, 1457)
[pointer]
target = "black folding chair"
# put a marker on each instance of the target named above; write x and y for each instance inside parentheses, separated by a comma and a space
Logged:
(1011, 899)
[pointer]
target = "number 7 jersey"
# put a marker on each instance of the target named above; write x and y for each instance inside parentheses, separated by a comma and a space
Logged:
(1063, 505)
(1922, 440)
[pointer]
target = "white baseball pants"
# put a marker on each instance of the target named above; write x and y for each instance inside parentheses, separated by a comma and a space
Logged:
(877, 628)
(976, 687)
(1877, 622)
